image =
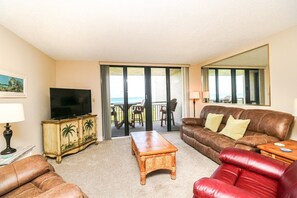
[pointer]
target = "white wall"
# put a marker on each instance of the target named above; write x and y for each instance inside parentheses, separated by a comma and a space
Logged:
(82, 75)
(17, 56)
(283, 71)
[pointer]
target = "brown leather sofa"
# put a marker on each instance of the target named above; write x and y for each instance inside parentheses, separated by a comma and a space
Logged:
(34, 177)
(265, 126)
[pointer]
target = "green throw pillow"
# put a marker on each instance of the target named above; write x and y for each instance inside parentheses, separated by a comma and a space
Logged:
(235, 129)
(213, 121)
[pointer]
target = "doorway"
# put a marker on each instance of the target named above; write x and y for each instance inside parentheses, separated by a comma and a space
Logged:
(140, 98)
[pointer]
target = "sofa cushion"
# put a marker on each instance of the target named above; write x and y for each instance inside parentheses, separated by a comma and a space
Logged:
(48, 180)
(227, 111)
(213, 121)
(33, 176)
(269, 122)
(203, 135)
(26, 190)
(20, 172)
(189, 130)
(235, 129)
(219, 142)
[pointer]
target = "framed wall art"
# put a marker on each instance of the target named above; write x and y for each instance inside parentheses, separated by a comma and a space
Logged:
(12, 85)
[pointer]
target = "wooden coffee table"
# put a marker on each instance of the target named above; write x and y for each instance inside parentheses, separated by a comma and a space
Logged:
(274, 151)
(153, 152)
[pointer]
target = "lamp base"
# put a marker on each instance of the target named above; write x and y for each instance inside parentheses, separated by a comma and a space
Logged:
(7, 135)
(8, 151)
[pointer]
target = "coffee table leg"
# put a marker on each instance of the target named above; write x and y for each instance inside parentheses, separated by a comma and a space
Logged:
(142, 171)
(173, 166)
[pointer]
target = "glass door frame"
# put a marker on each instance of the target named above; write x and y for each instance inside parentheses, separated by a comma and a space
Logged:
(148, 96)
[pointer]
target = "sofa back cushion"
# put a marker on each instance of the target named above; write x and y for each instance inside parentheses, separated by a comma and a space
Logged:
(227, 111)
(20, 172)
(288, 183)
(269, 122)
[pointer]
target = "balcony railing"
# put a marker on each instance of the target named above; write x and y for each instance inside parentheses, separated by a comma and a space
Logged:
(156, 115)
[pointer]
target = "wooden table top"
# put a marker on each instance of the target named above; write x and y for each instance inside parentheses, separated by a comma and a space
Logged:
(151, 143)
(290, 144)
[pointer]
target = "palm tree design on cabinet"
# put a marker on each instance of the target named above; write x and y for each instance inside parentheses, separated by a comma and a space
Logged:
(88, 126)
(68, 130)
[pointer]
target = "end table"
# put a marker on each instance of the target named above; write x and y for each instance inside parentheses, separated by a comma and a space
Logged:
(21, 152)
(273, 151)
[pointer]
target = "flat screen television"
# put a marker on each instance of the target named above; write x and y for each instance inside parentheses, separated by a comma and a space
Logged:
(66, 103)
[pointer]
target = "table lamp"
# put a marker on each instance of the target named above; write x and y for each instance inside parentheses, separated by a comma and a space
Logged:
(10, 112)
(194, 96)
(205, 96)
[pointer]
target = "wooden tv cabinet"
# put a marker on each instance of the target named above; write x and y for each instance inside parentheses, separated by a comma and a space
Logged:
(68, 136)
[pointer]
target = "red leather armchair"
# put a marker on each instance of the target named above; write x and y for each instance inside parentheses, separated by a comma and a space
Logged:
(247, 174)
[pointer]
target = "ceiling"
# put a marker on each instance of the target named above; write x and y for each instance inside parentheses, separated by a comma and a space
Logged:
(141, 31)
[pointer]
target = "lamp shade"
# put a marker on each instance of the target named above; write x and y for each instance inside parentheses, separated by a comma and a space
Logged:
(295, 107)
(11, 112)
(194, 95)
(206, 94)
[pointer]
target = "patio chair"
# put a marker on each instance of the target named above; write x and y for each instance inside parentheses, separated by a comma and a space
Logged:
(138, 110)
(163, 111)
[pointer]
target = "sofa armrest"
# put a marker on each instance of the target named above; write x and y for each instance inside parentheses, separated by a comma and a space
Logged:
(192, 121)
(255, 140)
(254, 162)
(209, 187)
(246, 147)
(63, 190)
(20, 172)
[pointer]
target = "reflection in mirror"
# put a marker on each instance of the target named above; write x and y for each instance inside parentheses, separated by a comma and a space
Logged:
(239, 79)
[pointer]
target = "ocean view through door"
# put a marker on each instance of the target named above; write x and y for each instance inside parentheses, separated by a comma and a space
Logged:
(140, 98)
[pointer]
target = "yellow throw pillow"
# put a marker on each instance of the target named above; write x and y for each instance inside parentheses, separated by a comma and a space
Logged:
(213, 121)
(235, 129)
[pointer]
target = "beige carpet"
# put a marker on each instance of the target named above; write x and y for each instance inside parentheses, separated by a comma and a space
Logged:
(109, 170)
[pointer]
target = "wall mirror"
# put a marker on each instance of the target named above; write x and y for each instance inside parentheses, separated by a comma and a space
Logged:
(239, 79)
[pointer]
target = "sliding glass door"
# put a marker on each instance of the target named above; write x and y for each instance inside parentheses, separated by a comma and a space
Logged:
(117, 101)
(144, 98)
(175, 98)
(159, 98)
(136, 99)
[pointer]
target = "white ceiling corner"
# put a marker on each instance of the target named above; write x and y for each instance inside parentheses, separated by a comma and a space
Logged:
(167, 31)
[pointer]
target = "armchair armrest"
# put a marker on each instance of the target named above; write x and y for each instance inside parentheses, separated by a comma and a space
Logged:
(253, 162)
(21, 172)
(254, 140)
(209, 187)
(192, 121)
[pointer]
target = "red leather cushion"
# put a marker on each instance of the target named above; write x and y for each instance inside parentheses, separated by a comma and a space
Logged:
(227, 173)
(254, 162)
(209, 187)
(258, 184)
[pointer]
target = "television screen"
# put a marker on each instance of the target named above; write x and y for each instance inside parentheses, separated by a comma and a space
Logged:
(67, 103)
